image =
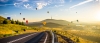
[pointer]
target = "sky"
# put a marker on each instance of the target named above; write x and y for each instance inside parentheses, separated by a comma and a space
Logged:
(69, 10)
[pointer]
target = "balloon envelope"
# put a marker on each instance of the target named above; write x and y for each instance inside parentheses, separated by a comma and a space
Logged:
(20, 13)
(26, 21)
(23, 18)
(9, 18)
(71, 21)
(77, 20)
(36, 8)
(47, 11)
(44, 23)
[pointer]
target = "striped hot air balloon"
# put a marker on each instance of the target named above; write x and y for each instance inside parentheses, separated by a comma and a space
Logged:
(26, 21)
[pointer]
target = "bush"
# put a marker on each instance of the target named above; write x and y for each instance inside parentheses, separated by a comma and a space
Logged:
(17, 22)
(20, 23)
(12, 21)
(16, 31)
(5, 21)
(6, 35)
(77, 40)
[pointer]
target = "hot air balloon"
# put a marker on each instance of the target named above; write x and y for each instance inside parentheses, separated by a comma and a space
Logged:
(68, 24)
(44, 23)
(71, 21)
(76, 12)
(23, 18)
(36, 8)
(20, 13)
(77, 20)
(47, 11)
(9, 18)
(26, 21)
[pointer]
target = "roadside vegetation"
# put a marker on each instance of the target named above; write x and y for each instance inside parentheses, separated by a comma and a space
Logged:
(73, 37)
(11, 28)
(60, 40)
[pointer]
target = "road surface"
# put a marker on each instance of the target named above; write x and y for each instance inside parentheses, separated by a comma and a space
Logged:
(40, 37)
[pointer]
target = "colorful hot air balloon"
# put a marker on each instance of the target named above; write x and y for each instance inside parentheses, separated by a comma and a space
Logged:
(9, 18)
(76, 12)
(20, 13)
(23, 18)
(68, 24)
(36, 8)
(77, 20)
(44, 23)
(71, 21)
(26, 21)
(47, 11)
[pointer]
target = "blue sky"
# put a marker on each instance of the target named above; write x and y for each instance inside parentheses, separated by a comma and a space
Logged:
(87, 10)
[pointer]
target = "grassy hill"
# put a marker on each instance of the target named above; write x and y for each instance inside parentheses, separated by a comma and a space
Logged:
(10, 29)
(61, 22)
(2, 19)
(51, 23)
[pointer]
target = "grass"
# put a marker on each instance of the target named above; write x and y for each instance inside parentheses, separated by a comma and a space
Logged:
(60, 40)
(89, 35)
(73, 37)
(7, 30)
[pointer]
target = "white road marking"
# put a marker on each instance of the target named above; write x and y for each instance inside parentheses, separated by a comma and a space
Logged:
(52, 36)
(21, 38)
(45, 38)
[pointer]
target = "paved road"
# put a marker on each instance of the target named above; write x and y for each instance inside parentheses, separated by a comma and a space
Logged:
(18, 38)
(42, 37)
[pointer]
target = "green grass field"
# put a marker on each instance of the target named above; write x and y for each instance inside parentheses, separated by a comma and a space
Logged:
(74, 37)
(7, 30)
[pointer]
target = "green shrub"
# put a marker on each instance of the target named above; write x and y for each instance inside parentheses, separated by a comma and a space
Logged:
(5, 21)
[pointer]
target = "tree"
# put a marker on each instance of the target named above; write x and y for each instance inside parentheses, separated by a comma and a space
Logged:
(12, 21)
(17, 22)
(22, 23)
(5, 21)
(77, 40)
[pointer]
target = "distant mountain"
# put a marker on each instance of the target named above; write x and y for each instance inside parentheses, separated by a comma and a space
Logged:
(51, 23)
(61, 22)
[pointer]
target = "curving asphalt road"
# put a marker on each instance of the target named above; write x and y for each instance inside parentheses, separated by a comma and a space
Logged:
(39, 37)
(18, 38)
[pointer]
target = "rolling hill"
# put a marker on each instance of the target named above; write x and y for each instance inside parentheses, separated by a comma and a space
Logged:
(52, 23)
(2, 19)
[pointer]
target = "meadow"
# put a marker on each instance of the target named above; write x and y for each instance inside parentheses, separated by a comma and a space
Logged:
(7, 30)
(74, 37)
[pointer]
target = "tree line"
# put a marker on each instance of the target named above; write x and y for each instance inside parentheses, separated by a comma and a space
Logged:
(6, 21)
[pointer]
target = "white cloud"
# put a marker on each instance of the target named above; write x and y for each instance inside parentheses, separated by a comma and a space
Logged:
(81, 3)
(58, 5)
(62, 1)
(97, 1)
(17, 4)
(28, 6)
(6, 4)
(64, 9)
(3, 0)
(70, 0)
(6, 13)
(41, 5)
(23, 0)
